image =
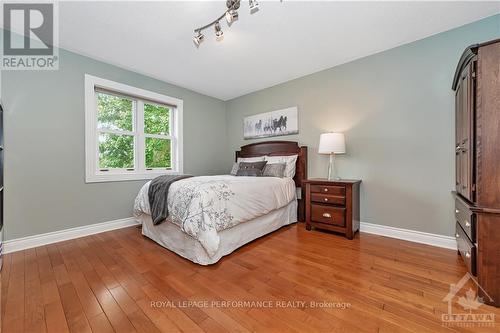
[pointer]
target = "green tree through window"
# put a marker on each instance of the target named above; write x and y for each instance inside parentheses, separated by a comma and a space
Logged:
(157, 122)
(116, 117)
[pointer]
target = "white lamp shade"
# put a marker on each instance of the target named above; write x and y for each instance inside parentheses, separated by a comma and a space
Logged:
(332, 143)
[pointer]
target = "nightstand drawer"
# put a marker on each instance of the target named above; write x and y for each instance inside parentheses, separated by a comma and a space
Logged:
(328, 189)
(328, 199)
(328, 214)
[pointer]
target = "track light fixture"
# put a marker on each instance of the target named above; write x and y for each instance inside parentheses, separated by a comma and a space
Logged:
(219, 35)
(254, 6)
(231, 15)
(198, 39)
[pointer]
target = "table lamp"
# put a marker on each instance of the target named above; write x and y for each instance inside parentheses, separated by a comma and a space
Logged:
(332, 143)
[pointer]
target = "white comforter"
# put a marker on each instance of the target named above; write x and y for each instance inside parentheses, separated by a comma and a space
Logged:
(204, 206)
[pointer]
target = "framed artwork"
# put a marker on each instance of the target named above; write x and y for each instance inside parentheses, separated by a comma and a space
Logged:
(274, 123)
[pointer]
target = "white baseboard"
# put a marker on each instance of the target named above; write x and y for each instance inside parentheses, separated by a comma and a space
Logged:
(62, 235)
(24, 243)
(410, 235)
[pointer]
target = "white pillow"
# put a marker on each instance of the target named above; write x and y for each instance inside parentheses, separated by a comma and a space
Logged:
(235, 168)
(251, 159)
(288, 160)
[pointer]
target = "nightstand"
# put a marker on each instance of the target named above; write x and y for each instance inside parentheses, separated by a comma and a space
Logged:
(333, 205)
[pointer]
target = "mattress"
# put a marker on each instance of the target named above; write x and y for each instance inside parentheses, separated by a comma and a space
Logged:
(173, 238)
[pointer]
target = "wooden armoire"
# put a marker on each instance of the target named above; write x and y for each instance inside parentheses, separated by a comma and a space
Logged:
(477, 153)
(1, 185)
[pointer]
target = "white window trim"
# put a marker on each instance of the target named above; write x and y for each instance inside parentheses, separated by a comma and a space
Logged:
(92, 172)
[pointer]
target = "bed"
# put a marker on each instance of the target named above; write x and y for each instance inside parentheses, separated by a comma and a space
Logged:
(211, 216)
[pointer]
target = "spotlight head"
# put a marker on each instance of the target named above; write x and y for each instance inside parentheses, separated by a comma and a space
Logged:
(254, 6)
(231, 16)
(198, 38)
(219, 35)
(234, 4)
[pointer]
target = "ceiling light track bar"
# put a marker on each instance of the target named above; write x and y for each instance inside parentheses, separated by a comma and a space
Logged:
(212, 23)
(231, 15)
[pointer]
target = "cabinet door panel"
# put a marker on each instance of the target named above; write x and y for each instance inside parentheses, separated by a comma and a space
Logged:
(467, 139)
(464, 137)
(458, 138)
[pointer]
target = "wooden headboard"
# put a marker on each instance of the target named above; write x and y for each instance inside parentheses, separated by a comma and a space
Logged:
(276, 148)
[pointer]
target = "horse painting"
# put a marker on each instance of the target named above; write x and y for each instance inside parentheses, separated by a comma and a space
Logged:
(258, 126)
(281, 122)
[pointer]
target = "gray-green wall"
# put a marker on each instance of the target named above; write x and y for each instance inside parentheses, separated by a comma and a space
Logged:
(396, 108)
(397, 111)
(45, 187)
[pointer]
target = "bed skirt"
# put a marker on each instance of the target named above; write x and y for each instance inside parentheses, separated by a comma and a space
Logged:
(171, 237)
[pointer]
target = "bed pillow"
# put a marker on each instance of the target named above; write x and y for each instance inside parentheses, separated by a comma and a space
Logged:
(251, 159)
(288, 160)
(253, 169)
(274, 170)
(235, 167)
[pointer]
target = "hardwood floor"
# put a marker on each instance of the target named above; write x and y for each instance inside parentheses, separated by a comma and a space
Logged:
(116, 281)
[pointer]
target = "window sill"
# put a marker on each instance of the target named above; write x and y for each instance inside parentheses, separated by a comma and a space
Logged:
(121, 177)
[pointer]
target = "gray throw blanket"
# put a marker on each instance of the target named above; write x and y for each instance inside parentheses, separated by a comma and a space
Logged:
(158, 195)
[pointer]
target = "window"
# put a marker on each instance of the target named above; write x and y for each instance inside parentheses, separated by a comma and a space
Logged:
(130, 133)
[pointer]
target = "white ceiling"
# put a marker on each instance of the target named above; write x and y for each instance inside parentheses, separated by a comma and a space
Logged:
(280, 42)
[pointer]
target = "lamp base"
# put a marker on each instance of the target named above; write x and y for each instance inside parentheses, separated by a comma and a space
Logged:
(332, 174)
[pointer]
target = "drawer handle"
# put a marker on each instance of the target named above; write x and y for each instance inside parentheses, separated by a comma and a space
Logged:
(457, 235)
(326, 215)
(467, 224)
(325, 190)
(457, 211)
(467, 254)
(458, 148)
(326, 199)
